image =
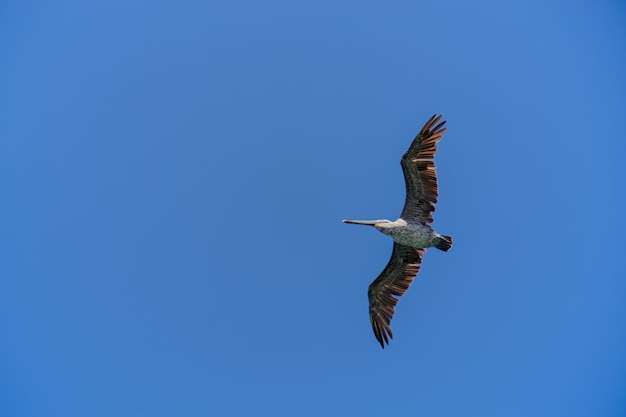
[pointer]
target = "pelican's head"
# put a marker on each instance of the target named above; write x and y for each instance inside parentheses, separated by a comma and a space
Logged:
(379, 224)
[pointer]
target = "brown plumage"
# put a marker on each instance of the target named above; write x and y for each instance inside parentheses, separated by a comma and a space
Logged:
(412, 233)
(418, 166)
(394, 280)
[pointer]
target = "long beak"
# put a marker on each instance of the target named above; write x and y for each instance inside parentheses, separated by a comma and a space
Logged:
(365, 222)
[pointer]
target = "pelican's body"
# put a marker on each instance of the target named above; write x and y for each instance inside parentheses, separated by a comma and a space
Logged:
(415, 235)
(411, 232)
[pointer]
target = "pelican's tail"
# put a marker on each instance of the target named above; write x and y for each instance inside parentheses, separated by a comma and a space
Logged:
(443, 242)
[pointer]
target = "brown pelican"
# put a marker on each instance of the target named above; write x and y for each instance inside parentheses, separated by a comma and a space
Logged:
(411, 233)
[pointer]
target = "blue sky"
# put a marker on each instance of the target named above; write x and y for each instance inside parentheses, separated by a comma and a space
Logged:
(174, 175)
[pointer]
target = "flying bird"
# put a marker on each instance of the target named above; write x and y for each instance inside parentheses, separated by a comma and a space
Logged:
(411, 233)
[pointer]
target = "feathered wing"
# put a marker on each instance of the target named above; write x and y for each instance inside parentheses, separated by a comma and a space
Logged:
(418, 165)
(394, 280)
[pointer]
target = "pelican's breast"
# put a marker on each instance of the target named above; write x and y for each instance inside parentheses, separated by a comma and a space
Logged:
(414, 235)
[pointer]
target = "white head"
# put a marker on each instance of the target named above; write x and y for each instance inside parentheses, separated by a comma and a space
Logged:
(380, 224)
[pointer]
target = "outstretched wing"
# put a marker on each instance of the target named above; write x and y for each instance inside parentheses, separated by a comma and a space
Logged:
(418, 165)
(394, 280)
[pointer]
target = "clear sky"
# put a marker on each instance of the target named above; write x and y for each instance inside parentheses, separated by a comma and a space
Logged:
(173, 176)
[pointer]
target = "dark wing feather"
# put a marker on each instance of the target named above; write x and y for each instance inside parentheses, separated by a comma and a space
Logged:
(394, 280)
(418, 165)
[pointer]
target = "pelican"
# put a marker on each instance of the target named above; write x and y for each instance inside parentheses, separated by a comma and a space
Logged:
(411, 233)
